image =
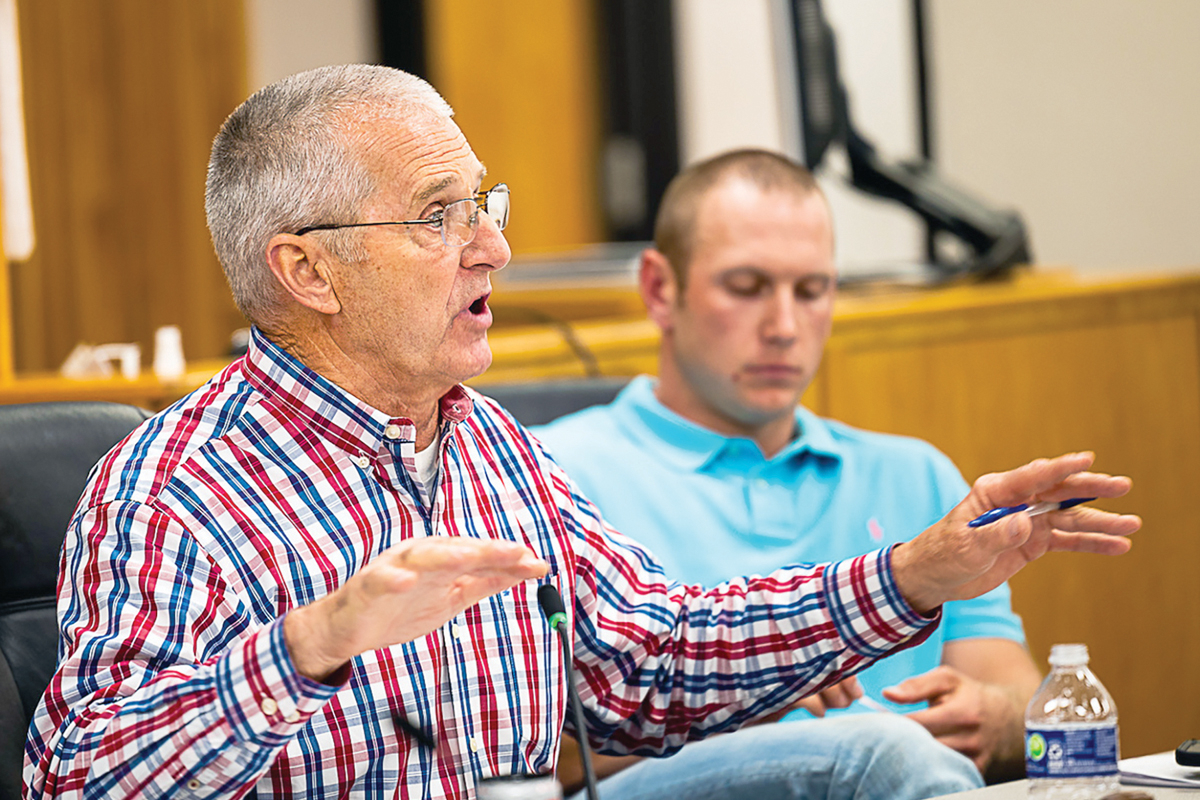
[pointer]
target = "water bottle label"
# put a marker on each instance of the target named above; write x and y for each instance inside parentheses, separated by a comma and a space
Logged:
(1076, 752)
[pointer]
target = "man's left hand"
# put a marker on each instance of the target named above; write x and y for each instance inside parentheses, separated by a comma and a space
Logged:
(976, 719)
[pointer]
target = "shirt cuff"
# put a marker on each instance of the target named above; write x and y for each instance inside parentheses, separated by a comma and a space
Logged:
(866, 606)
(265, 700)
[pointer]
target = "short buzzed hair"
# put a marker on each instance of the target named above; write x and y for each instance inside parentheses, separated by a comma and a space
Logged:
(674, 227)
(293, 155)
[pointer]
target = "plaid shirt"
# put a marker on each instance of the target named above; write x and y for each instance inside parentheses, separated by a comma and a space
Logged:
(268, 488)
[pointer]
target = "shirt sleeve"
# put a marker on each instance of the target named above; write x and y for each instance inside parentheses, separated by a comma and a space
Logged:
(163, 689)
(660, 663)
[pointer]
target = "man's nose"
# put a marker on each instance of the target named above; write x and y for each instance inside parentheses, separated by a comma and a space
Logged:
(489, 249)
(779, 317)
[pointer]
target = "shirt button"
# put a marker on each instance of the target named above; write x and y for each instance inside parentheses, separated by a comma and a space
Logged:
(459, 631)
(193, 784)
(392, 431)
(363, 461)
(475, 745)
(269, 706)
(292, 717)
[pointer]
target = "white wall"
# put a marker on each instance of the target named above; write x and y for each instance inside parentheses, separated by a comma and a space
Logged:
(287, 36)
(1082, 114)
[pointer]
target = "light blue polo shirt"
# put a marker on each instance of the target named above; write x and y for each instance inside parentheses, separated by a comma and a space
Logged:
(711, 507)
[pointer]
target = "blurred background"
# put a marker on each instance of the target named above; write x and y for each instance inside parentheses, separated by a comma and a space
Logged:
(1080, 114)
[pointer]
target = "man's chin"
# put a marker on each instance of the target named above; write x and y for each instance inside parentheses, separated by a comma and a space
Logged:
(772, 401)
(474, 362)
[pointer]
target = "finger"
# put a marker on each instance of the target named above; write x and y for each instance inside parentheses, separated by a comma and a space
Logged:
(846, 692)
(927, 686)
(1096, 543)
(940, 720)
(1087, 484)
(470, 589)
(969, 745)
(840, 696)
(458, 554)
(1083, 519)
(812, 704)
(1030, 480)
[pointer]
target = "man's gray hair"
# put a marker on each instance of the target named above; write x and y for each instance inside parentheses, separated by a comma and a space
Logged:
(291, 156)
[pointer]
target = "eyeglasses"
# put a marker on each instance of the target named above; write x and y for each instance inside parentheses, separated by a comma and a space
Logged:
(457, 221)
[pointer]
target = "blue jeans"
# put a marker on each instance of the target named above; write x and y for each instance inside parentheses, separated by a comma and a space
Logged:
(860, 756)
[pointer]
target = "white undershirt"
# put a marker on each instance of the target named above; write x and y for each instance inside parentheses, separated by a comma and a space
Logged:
(426, 462)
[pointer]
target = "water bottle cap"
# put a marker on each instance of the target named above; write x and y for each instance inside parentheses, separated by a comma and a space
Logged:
(1068, 655)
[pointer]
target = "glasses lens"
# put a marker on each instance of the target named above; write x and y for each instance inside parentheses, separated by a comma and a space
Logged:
(459, 221)
(497, 205)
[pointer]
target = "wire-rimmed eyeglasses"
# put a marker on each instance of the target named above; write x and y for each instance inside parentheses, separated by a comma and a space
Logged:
(457, 221)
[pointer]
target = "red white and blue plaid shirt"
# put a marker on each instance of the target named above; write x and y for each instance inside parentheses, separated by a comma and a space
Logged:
(267, 488)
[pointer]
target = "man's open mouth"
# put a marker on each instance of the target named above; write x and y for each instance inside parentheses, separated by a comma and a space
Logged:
(480, 305)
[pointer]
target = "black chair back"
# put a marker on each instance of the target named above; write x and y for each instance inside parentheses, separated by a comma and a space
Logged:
(46, 453)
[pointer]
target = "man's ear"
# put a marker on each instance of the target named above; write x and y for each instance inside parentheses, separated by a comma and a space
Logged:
(659, 288)
(303, 269)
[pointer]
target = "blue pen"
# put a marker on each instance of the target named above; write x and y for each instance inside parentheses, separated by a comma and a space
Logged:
(988, 517)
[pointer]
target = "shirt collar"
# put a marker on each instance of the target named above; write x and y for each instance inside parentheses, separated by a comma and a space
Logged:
(323, 406)
(691, 446)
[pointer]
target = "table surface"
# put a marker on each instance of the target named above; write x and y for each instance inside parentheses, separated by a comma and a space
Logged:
(1019, 789)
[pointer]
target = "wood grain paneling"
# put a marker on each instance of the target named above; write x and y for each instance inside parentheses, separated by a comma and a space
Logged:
(123, 99)
(522, 77)
(1114, 369)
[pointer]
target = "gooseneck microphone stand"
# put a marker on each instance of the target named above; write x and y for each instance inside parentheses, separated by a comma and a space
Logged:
(552, 606)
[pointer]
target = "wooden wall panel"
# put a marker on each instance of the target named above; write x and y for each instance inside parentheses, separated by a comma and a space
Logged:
(1115, 372)
(522, 76)
(122, 101)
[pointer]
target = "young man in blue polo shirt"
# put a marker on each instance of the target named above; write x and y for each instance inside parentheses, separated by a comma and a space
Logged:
(716, 468)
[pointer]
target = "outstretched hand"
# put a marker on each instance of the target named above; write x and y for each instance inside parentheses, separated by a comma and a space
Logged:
(407, 591)
(951, 561)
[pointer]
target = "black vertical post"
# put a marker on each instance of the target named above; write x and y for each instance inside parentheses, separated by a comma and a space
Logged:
(401, 31)
(637, 73)
(925, 121)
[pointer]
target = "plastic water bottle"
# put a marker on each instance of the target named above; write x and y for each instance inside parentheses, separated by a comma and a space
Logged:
(1071, 744)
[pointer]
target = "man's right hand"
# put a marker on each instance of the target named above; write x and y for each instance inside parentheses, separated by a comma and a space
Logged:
(406, 592)
(952, 561)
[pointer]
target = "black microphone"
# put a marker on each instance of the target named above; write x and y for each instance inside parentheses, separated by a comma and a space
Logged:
(552, 606)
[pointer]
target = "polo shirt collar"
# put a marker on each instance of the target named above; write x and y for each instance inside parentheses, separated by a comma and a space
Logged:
(692, 446)
(322, 406)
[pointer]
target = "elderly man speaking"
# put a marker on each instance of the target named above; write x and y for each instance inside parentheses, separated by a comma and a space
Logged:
(315, 576)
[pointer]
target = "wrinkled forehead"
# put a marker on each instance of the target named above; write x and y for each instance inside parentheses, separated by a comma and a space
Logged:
(419, 156)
